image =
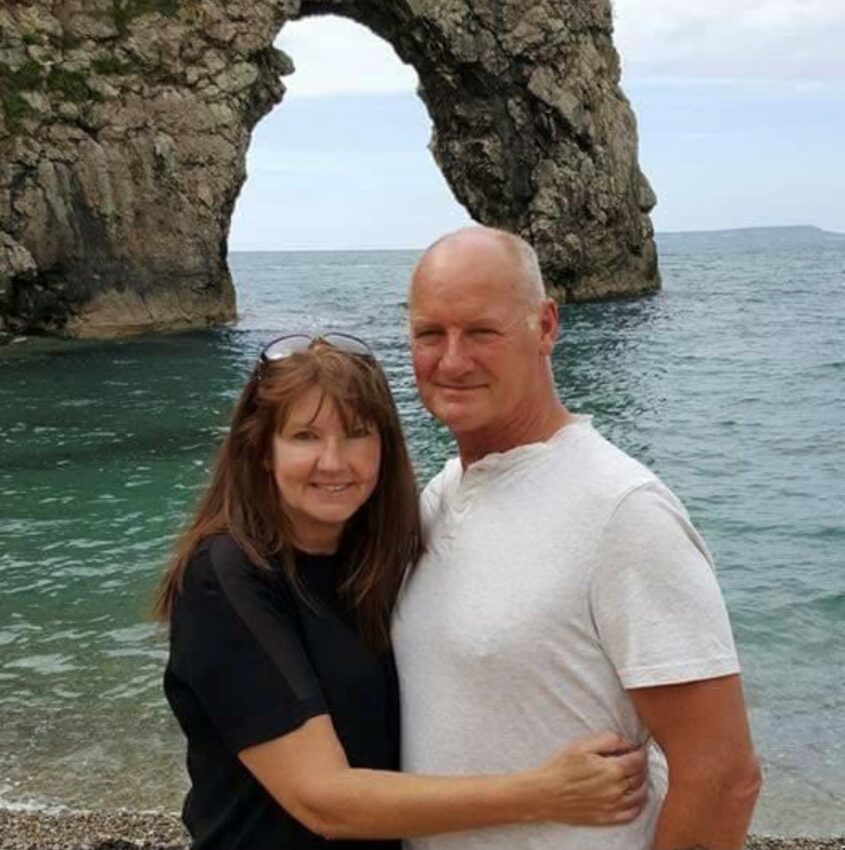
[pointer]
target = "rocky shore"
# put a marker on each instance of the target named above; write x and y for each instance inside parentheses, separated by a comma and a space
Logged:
(146, 831)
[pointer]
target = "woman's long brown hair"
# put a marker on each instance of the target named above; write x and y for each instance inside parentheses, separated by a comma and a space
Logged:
(378, 543)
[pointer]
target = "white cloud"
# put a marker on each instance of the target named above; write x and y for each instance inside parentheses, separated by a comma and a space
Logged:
(336, 56)
(752, 39)
(783, 40)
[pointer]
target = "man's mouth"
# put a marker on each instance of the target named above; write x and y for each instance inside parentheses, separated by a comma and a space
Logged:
(460, 387)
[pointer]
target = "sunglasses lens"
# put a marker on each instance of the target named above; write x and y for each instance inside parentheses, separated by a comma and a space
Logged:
(347, 342)
(283, 347)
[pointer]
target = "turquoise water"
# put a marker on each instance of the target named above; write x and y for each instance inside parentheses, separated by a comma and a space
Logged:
(730, 383)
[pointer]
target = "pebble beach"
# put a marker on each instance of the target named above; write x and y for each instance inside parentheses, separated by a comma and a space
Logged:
(121, 830)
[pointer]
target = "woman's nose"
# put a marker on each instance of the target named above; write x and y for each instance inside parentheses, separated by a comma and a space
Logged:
(331, 456)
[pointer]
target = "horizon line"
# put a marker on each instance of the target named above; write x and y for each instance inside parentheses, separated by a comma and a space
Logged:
(658, 233)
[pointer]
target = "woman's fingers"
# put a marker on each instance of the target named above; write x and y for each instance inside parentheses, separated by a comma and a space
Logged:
(630, 764)
(629, 803)
(625, 808)
(602, 743)
(633, 794)
(597, 780)
(625, 815)
(636, 793)
(638, 779)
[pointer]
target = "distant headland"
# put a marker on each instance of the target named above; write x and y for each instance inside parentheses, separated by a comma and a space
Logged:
(793, 234)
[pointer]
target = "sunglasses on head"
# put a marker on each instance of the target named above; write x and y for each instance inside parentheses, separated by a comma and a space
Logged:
(285, 346)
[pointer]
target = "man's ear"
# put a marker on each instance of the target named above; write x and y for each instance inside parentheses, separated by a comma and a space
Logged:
(549, 323)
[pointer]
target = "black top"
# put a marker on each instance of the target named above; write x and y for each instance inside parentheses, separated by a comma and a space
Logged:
(250, 660)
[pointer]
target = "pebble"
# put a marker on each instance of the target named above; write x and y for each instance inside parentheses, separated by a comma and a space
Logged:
(121, 830)
(72, 830)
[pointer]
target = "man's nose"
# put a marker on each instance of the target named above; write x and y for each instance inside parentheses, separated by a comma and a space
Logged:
(455, 359)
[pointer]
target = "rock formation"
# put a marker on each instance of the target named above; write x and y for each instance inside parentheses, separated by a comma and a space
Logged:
(124, 126)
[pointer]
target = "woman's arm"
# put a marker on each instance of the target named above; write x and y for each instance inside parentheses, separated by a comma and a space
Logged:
(307, 773)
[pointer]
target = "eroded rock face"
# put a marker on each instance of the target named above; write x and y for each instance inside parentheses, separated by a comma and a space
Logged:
(124, 126)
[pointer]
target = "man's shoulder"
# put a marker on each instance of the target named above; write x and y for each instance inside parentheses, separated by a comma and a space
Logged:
(596, 466)
(432, 494)
(436, 484)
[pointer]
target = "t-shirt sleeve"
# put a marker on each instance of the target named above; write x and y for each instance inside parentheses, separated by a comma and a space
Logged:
(655, 601)
(234, 641)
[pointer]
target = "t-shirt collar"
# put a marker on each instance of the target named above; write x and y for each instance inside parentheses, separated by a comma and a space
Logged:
(500, 461)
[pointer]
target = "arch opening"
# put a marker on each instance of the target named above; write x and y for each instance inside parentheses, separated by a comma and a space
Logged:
(342, 162)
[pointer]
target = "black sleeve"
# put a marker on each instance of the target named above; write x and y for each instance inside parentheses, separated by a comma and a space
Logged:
(234, 641)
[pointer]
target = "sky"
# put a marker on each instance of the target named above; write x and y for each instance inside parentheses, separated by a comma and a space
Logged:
(740, 108)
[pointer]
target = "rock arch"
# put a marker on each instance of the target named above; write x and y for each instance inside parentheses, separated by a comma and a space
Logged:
(124, 126)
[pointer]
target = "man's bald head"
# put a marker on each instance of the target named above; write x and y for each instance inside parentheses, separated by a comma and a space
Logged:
(482, 333)
(481, 245)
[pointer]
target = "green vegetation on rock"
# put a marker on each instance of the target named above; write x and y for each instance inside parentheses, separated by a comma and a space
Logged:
(27, 77)
(112, 65)
(124, 11)
(72, 85)
(65, 41)
(12, 83)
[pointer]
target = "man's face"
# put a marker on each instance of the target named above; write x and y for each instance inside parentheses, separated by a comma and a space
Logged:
(477, 343)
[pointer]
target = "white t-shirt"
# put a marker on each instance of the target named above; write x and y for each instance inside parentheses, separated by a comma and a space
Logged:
(556, 575)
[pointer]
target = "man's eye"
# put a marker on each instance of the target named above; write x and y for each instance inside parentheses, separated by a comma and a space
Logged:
(484, 333)
(427, 334)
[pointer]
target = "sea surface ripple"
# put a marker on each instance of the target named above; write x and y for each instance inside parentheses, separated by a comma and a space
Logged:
(730, 383)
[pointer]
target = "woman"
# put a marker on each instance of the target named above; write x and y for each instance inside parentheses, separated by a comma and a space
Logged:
(279, 597)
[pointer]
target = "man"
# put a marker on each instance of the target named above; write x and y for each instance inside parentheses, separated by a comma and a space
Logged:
(564, 589)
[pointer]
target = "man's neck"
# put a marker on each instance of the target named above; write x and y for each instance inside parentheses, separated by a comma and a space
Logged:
(536, 428)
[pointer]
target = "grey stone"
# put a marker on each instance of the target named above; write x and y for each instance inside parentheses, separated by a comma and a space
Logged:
(17, 268)
(122, 157)
(116, 830)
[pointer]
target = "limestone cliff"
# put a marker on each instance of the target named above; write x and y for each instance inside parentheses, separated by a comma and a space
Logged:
(124, 126)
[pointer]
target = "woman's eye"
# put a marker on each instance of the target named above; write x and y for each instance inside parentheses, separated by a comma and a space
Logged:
(303, 435)
(360, 432)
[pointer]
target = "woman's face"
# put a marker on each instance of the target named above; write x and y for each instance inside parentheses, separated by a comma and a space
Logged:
(323, 471)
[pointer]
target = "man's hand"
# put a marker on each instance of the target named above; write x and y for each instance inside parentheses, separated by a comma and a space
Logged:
(714, 777)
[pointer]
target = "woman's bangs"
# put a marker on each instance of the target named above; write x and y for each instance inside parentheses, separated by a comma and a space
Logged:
(353, 407)
(355, 388)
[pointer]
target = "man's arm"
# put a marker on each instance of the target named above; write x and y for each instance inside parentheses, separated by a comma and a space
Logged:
(714, 776)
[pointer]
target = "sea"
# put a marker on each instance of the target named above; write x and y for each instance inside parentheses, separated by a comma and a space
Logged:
(730, 383)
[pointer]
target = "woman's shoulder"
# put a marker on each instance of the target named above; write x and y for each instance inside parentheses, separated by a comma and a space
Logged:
(220, 547)
(217, 552)
(219, 562)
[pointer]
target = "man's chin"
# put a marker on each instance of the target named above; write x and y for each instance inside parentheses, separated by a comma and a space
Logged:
(459, 419)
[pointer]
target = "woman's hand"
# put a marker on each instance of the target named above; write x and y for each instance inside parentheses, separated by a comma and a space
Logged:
(598, 780)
